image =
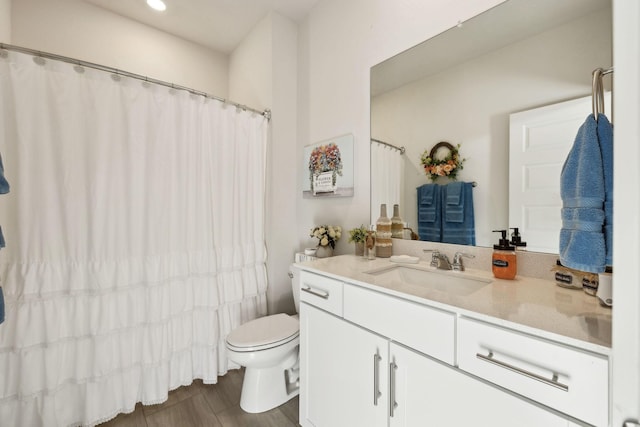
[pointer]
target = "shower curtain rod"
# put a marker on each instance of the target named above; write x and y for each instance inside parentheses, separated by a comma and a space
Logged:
(38, 54)
(400, 149)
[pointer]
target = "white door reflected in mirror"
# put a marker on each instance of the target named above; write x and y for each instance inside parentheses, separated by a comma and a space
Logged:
(539, 141)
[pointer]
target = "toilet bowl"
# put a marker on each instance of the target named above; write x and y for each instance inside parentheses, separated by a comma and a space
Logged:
(268, 349)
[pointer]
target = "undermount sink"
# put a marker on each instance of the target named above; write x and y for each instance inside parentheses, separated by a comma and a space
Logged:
(443, 281)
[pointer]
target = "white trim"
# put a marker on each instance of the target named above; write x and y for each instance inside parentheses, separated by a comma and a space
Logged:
(626, 283)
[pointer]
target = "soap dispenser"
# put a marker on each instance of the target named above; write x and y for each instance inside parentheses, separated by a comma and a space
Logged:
(504, 262)
(516, 240)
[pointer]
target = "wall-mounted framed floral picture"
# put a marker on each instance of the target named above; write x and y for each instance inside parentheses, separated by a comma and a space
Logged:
(328, 168)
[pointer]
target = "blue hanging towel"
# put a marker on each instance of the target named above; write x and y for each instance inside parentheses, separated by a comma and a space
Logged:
(454, 202)
(429, 213)
(605, 138)
(458, 225)
(4, 189)
(582, 189)
(4, 184)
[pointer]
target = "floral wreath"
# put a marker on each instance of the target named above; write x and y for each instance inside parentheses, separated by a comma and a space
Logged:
(449, 166)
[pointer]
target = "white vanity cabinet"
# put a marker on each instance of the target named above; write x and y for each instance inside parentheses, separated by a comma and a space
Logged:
(570, 380)
(368, 358)
(339, 362)
(342, 380)
(430, 393)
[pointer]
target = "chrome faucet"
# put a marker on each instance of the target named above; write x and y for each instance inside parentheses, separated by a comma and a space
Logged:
(444, 263)
(435, 255)
(457, 260)
(439, 260)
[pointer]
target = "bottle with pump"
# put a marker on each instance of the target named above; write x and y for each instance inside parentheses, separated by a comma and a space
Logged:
(504, 262)
(516, 240)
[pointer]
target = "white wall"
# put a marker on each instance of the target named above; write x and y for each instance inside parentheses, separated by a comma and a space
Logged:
(626, 239)
(339, 41)
(469, 104)
(5, 21)
(251, 67)
(281, 205)
(81, 30)
(263, 73)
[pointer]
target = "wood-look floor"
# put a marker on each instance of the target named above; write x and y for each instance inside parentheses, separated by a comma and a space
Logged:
(207, 405)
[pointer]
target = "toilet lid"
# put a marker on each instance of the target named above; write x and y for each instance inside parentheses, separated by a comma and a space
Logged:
(268, 330)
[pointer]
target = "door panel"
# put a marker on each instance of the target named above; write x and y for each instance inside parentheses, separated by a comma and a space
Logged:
(338, 363)
(429, 393)
(539, 141)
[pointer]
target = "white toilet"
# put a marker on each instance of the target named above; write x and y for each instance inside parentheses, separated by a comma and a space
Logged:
(268, 349)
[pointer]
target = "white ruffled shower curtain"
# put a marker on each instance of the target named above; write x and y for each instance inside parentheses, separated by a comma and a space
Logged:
(135, 240)
(387, 176)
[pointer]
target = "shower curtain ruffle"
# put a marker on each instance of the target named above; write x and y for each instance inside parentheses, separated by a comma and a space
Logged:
(126, 344)
(140, 363)
(160, 288)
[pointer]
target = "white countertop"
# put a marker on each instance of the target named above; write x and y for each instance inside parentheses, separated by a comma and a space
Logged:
(535, 306)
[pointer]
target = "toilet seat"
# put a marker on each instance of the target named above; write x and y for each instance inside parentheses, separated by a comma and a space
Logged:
(264, 333)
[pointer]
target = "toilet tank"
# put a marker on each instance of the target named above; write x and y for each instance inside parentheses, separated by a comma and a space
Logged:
(294, 273)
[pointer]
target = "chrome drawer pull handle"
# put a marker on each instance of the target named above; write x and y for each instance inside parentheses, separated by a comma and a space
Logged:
(376, 378)
(552, 382)
(321, 294)
(392, 389)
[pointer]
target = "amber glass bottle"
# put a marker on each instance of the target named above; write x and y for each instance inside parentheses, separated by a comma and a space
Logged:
(504, 263)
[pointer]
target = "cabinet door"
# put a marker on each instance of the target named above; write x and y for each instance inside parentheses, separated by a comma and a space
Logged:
(338, 363)
(429, 393)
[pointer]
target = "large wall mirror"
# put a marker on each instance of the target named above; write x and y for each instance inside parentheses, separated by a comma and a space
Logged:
(464, 87)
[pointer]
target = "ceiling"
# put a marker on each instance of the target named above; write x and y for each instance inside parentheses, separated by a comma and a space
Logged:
(217, 24)
(504, 24)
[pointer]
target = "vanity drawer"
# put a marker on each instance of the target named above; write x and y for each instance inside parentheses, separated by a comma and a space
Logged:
(425, 329)
(322, 292)
(565, 378)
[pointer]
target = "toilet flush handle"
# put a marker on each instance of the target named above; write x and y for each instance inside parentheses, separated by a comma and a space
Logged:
(290, 275)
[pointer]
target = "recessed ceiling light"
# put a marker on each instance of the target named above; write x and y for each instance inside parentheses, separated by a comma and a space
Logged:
(157, 5)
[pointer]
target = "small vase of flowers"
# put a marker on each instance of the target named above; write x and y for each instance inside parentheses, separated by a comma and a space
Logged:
(327, 236)
(358, 236)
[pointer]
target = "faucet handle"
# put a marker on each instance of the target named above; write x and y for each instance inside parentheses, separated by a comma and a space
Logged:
(457, 260)
(459, 255)
(435, 256)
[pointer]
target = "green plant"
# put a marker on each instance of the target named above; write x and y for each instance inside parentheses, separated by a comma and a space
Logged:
(358, 235)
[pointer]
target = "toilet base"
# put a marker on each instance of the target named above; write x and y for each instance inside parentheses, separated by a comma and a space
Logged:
(267, 388)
